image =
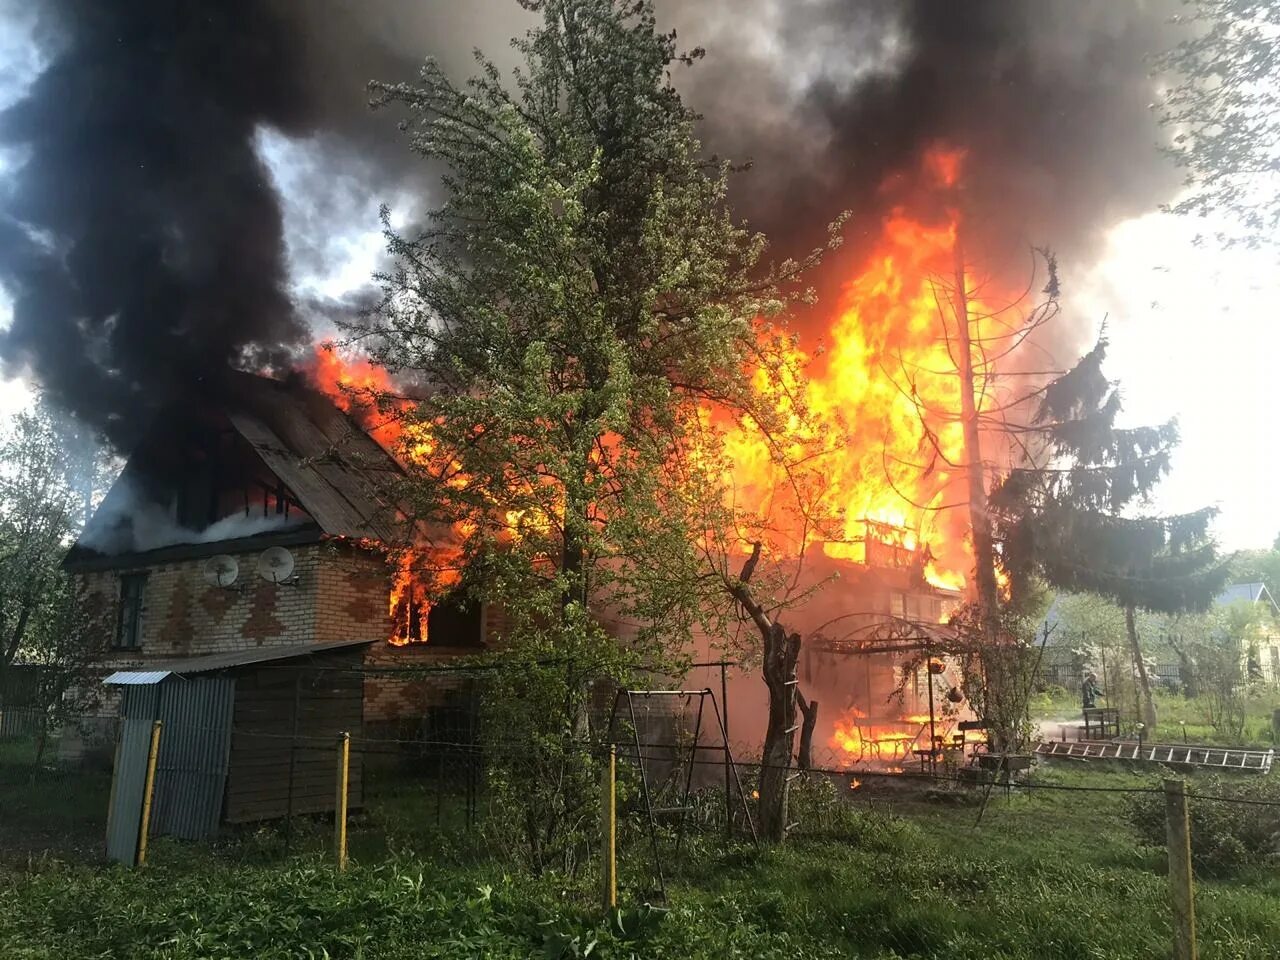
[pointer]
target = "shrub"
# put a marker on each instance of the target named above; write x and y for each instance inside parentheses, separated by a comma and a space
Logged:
(1225, 836)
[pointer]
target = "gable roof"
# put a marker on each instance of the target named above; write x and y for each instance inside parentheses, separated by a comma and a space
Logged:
(336, 471)
(1246, 592)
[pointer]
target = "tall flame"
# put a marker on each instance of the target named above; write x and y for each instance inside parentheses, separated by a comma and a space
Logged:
(883, 397)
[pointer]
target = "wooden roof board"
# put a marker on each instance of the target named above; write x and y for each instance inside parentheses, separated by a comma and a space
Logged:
(325, 441)
(332, 509)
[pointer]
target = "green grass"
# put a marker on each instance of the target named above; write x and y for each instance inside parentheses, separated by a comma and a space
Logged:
(1046, 875)
(1177, 716)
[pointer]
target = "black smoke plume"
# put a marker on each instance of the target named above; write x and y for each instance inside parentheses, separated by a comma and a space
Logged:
(145, 245)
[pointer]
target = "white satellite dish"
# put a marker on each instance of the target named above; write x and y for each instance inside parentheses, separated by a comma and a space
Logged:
(275, 564)
(221, 571)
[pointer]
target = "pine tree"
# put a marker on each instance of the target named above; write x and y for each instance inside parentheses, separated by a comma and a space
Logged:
(1068, 515)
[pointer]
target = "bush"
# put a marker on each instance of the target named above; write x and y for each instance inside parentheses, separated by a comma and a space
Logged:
(1225, 836)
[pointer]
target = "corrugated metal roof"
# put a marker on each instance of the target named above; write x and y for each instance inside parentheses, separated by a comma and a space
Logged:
(139, 678)
(225, 661)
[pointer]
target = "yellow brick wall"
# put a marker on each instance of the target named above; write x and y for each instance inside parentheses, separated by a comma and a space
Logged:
(184, 616)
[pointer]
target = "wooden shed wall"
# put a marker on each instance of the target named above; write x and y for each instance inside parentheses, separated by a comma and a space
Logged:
(274, 701)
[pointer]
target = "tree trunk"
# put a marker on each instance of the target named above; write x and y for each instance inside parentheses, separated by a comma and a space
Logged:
(780, 654)
(781, 651)
(979, 517)
(809, 710)
(1144, 684)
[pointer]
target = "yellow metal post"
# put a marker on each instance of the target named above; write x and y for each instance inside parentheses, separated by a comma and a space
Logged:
(609, 827)
(1178, 834)
(148, 791)
(340, 802)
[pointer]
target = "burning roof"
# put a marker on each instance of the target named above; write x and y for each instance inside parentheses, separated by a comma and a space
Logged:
(255, 456)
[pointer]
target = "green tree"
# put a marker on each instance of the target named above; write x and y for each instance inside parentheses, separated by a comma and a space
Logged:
(1067, 514)
(51, 472)
(43, 497)
(1223, 108)
(572, 307)
(1257, 566)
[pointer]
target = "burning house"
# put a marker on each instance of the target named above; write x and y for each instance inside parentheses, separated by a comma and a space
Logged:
(255, 517)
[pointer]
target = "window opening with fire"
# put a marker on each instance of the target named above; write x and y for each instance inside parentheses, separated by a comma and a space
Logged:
(222, 480)
(456, 620)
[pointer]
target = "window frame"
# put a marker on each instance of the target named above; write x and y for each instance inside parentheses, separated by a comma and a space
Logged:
(136, 602)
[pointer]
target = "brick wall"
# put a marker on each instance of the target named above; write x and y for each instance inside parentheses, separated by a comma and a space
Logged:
(341, 593)
(184, 616)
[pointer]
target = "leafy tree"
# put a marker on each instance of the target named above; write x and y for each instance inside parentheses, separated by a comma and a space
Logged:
(571, 308)
(43, 498)
(52, 471)
(1257, 566)
(1066, 514)
(1223, 107)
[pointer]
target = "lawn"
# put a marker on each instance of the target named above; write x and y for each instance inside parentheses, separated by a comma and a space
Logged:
(1046, 874)
(1178, 718)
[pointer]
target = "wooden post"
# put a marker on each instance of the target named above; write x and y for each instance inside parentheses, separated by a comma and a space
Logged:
(609, 828)
(148, 791)
(340, 801)
(1178, 833)
(724, 729)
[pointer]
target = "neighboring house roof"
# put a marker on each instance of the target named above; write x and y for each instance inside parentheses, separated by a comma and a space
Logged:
(337, 472)
(1248, 592)
(154, 673)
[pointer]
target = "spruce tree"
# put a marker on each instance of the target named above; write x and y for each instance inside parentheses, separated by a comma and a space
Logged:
(1070, 514)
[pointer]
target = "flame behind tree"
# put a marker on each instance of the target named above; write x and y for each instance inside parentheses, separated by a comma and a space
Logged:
(578, 298)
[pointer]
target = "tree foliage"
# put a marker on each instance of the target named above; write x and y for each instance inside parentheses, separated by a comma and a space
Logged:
(49, 473)
(579, 295)
(1068, 513)
(1223, 108)
(577, 314)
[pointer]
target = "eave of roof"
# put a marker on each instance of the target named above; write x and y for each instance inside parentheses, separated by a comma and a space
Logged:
(82, 560)
(212, 663)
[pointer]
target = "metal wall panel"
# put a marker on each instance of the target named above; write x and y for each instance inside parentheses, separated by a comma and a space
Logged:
(194, 745)
(138, 710)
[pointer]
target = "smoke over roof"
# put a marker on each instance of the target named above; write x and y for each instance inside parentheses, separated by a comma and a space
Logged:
(143, 241)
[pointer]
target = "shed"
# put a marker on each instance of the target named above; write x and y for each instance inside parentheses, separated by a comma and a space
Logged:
(246, 735)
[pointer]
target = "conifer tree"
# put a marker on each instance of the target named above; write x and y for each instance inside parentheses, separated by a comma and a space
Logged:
(1070, 515)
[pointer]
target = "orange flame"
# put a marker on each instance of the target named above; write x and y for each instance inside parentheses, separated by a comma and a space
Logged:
(887, 365)
(880, 741)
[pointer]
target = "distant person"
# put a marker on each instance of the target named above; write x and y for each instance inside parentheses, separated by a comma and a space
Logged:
(1090, 691)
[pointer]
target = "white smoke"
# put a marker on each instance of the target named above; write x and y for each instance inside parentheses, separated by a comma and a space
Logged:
(134, 524)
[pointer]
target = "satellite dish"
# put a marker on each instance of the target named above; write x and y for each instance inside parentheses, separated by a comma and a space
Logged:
(275, 564)
(220, 571)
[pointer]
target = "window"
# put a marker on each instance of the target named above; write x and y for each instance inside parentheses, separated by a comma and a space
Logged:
(455, 622)
(129, 623)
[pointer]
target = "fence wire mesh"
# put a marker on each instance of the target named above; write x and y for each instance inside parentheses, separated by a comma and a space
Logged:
(432, 772)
